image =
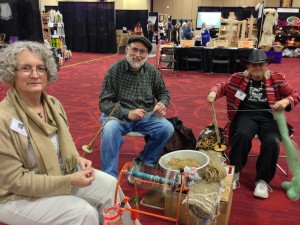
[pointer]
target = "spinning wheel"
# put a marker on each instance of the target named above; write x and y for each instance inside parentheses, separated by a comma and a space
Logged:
(218, 147)
(175, 184)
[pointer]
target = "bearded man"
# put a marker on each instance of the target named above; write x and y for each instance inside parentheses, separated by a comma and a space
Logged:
(143, 98)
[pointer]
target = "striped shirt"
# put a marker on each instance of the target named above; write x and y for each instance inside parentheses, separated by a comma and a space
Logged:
(276, 89)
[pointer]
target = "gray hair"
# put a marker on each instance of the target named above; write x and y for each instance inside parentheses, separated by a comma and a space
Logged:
(267, 74)
(9, 54)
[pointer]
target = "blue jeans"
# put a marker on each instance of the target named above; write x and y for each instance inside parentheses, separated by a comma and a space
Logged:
(157, 129)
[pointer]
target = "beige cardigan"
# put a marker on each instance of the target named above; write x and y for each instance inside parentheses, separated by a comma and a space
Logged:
(16, 180)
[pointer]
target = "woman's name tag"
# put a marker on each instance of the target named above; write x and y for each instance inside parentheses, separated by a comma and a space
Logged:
(18, 126)
(240, 95)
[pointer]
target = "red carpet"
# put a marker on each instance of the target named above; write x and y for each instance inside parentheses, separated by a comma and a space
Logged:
(78, 88)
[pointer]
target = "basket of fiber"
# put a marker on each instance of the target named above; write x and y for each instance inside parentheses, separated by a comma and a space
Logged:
(172, 162)
(266, 48)
(278, 48)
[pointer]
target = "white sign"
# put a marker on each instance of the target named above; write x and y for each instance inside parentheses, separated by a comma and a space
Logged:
(288, 10)
(152, 19)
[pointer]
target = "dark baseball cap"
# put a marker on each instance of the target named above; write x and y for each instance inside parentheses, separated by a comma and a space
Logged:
(145, 41)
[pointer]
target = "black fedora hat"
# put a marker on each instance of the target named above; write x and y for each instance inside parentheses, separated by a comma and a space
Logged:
(257, 56)
(145, 41)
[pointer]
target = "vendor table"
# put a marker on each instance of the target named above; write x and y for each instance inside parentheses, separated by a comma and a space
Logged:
(181, 53)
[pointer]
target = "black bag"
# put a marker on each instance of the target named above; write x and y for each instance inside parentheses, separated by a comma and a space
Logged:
(183, 137)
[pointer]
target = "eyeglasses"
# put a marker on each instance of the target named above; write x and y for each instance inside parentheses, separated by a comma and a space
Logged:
(136, 50)
(29, 70)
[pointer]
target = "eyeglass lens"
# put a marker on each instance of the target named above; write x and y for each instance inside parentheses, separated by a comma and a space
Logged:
(136, 50)
(29, 70)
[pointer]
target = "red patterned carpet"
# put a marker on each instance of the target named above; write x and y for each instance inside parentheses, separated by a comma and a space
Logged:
(78, 88)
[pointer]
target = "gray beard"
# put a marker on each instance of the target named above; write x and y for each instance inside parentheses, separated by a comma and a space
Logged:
(135, 65)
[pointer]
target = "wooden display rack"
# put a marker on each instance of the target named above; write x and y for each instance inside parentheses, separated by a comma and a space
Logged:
(46, 29)
(236, 31)
(252, 30)
(230, 30)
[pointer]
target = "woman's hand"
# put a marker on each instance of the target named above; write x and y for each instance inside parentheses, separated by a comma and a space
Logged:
(83, 178)
(211, 97)
(160, 108)
(280, 105)
(83, 163)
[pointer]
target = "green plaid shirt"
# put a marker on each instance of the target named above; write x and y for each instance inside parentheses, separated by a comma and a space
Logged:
(134, 89)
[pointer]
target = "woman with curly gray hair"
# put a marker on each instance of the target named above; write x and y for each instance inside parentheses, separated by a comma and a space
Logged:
(10, 54)
(43, 178)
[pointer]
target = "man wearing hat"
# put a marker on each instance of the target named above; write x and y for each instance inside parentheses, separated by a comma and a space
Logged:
(143, 98)
(251, 96)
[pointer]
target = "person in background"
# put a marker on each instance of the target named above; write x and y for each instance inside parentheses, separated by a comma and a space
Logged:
(161, 31)
(150, 29)
(143, 98)
(213, 32)
(188, 32)
(175, 35)
(175, 38)
(138, 30)
(197, 39)
(43, 178)
(251, 96)
(184, 25)
(205, 36)
(169, 28)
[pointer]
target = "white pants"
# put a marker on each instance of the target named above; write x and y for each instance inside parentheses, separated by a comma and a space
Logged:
(83, 207)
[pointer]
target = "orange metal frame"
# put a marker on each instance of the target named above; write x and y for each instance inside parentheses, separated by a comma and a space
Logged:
(124, 171)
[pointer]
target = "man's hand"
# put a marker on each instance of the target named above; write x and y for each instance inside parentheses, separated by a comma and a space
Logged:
(160, 109)
(211, 97)
(137, 114)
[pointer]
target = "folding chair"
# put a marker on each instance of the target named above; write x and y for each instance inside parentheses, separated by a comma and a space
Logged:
(255, 155)
(242, 53)
(220, 56)
(167, 59)
(279, 167)
(194, 59)
(132, 134)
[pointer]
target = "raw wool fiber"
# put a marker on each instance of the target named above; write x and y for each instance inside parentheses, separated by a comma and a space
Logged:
(271, 17)
(207, 138)
(268, 36)
(215, 170)
(204, 198)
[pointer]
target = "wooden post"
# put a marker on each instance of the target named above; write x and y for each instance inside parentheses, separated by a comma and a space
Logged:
(243, 33)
